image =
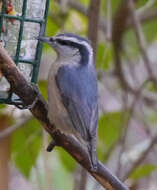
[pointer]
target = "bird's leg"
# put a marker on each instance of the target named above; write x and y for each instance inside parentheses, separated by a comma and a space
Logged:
(51, 146)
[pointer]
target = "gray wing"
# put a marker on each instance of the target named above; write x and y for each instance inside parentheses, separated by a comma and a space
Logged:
(78, 89)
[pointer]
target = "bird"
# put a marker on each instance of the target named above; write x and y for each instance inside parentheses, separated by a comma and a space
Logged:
(72, 90)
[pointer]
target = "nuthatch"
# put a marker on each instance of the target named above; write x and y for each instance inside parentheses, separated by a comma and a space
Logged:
(72, 90)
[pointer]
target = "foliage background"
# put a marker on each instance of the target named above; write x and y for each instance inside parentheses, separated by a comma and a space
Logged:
(127, 124)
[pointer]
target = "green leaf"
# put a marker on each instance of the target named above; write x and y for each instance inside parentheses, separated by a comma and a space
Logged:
(2, 106)
(114, 6)
(131, 45)
(151, 118)
(104, 56)
(100, 55)
(85, 2)
(76, 22)
(143, 171)
(68, 162)
(26, 144)
(43, 88)
(51, 28)
(109, 129)
(150, 31)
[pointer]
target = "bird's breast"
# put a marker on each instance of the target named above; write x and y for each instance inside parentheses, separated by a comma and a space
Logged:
(57, 113)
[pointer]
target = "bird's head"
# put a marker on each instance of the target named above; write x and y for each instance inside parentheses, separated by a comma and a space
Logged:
(69, 45)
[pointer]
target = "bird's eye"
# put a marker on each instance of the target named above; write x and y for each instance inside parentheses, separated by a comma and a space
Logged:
(51, 40)
(63, 42)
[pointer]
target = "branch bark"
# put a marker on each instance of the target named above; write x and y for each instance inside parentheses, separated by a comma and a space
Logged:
(93, 23)
(27, 94)
(118, 29)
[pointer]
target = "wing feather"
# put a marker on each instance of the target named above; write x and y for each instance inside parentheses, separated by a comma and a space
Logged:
(78, 89)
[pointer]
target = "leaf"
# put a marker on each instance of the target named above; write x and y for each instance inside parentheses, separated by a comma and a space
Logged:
(51, 30)
(100, 55)
(68, 162)
(52, 27)
(2, 106)
(104, 56)
(85, 2)
(109, 129)
(43, 88)
(76, 22)
(26, 144)
(143, 171)
(150, 31)
(114, 6)
(131, 45)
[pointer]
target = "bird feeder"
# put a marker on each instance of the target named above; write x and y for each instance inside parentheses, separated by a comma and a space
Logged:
(21, 22)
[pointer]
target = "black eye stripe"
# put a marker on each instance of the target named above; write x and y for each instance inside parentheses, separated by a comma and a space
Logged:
(63, 42)
(51, 40)
(69, 43)
(81, 47)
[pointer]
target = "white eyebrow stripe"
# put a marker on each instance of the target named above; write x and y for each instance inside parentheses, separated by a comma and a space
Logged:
(86, 44)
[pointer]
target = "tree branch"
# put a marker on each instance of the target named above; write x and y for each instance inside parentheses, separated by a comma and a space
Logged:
(120, 25)
(93, 22)
(141, 157)
(118, 29)
(27, 94)
(141, 40)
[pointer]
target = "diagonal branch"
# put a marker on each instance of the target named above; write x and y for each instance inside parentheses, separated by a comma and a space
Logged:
(141, 157)
(27, 94)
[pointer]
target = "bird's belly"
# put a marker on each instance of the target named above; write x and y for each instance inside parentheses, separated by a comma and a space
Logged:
(57, 113)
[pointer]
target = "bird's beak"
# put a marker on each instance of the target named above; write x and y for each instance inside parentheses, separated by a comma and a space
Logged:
(44, 39)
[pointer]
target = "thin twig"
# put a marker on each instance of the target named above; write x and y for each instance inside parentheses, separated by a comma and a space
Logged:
(118, 29)
(141, 40)
(93, 22)
(145, 8)
(124, 131)
(130, 115)
(141, 158)
(120, 24)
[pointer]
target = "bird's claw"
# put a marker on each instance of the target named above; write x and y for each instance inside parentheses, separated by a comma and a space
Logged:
(51, 146)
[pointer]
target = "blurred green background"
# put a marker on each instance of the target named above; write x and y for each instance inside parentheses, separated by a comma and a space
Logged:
(127, 119)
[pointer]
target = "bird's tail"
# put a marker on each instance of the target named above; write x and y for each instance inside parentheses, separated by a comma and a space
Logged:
(93, 153)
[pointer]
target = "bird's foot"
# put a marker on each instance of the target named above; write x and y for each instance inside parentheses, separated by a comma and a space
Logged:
(51, 146)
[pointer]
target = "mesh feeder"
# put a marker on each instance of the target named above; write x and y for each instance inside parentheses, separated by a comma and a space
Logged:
(21, 23)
